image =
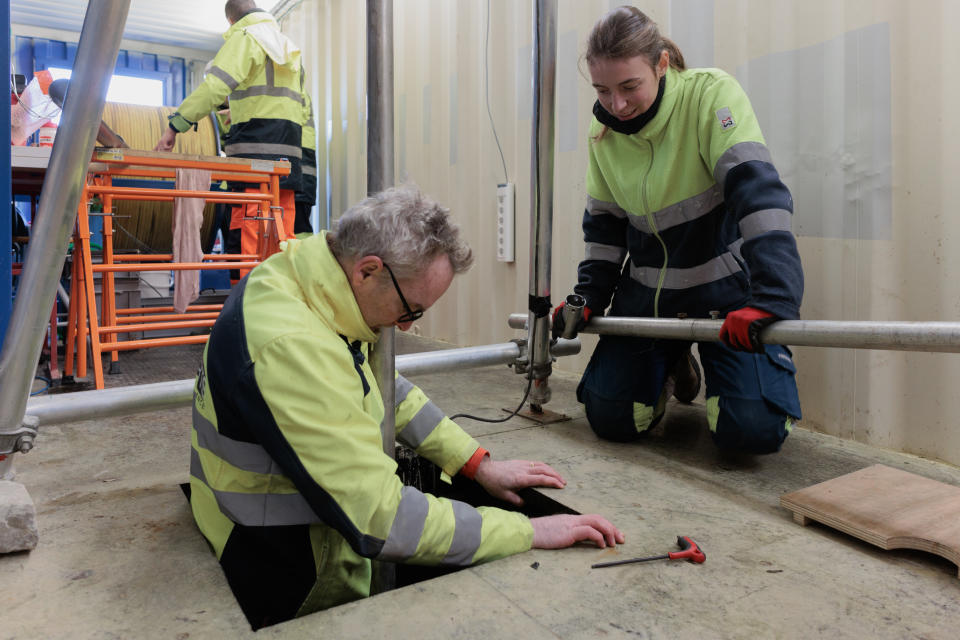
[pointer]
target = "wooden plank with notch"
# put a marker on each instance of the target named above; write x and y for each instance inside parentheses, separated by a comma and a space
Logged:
(886, 507)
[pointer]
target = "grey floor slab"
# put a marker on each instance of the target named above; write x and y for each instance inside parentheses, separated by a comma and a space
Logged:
(120, 557)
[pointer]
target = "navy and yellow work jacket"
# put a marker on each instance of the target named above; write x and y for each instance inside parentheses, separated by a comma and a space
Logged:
(286, 438)
(258, 68)
(694, 203)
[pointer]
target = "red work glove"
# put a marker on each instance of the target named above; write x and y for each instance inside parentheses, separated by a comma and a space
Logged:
(558, 323)
(741, 329)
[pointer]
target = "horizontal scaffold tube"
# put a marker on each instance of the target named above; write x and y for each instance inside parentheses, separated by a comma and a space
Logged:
(845, 334)
(122, 401)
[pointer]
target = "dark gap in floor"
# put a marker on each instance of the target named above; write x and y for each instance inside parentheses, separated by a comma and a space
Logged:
(426, 476)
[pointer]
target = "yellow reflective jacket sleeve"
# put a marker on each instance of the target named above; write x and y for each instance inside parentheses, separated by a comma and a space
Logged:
(234, 63)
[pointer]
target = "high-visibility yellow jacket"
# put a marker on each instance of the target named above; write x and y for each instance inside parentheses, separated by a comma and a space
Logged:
(687, 213)
(258, 68)
(287, 458)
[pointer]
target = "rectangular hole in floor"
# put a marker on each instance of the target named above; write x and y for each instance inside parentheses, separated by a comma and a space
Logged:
(426, 476)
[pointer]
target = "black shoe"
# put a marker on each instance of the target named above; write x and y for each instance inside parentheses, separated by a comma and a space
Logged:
(686, 378)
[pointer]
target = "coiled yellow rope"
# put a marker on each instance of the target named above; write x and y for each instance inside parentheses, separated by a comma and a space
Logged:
(145, 227)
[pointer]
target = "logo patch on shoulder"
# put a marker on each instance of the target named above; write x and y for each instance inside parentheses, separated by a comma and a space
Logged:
(725, 118)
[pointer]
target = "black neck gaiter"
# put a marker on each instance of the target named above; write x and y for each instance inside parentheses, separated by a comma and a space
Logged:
(633, 125)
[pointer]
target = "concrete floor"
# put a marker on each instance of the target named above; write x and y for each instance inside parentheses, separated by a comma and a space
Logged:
(119, 555)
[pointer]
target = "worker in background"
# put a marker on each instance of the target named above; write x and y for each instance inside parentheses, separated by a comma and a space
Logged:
(258, 69)
(307, 195)
(680, 183)
(290, 482)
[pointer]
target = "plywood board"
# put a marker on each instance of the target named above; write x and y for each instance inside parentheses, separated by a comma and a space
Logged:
(887, 507)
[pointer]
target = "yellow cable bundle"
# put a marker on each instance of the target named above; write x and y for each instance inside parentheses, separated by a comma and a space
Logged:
(147, 225)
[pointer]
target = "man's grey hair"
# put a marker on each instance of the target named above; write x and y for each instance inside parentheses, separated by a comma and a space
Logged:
(235, 9)
(405, 228)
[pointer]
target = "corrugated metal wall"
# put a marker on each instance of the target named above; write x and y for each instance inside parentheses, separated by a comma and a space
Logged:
(856, 101)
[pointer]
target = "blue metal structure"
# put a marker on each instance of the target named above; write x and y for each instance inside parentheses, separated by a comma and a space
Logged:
(36, 54)
(6, 218)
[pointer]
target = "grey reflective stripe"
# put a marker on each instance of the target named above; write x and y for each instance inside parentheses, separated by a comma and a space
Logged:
(269, 71)
(310, 124)
(759, 222)
(266, 510)
(275, 92)
(599, 207)
(308, 170)
(251, 509)
(402, 388)
(228, 80)
(407, 527)
(421, 425)
(196, 467)
(605, 252)
(710, 271)
(683, 211)
(245, 456)
(735, 248)
(257, 509)
(264, 148)
(466, 537)
(737, 154)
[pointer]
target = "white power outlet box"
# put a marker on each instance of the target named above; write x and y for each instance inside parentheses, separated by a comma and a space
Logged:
(505, 222)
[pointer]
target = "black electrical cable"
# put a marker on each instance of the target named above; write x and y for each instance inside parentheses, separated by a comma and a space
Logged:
(515, 411)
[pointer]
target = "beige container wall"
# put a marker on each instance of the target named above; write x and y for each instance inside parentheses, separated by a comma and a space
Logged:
(855, 99)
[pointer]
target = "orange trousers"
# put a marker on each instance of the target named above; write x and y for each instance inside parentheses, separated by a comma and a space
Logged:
(244, 218)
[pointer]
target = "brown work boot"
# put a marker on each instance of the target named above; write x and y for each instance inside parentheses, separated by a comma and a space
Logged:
(685, 377)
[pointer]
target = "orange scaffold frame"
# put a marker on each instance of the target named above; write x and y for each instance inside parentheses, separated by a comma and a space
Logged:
(102, 329)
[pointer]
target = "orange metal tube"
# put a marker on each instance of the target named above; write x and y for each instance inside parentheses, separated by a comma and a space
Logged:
(167, 317)
(195, 307)
(174, 266)
(143, 192)
(214, 177)
(156, 326)
(131, 345)
(139, 257)
(128, 157)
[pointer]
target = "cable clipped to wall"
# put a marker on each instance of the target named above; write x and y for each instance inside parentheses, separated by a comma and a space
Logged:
(486, 83)
(141, 225)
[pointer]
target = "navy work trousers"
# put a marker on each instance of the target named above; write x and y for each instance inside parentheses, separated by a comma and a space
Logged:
(752, 398)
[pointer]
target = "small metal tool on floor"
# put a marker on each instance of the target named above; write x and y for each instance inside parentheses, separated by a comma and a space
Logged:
(689, 550)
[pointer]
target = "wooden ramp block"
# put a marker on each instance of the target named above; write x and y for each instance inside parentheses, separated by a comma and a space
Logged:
(889, 508)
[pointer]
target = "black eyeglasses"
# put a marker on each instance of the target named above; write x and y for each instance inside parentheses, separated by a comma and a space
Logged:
(410, 315)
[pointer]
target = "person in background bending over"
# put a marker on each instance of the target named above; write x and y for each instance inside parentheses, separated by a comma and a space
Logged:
(686, 216)
(258, 70)
(289, 482)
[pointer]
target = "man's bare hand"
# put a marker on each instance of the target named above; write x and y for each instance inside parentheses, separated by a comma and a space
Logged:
(502, 479)
(167, 140)
(557, 532)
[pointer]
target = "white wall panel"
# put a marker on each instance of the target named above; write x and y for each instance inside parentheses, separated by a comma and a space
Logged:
(857, 101)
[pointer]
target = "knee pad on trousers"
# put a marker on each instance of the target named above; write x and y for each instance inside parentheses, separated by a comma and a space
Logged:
(618, 420)
(749, 426)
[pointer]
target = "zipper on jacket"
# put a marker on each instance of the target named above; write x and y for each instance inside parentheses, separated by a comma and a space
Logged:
(656, 234)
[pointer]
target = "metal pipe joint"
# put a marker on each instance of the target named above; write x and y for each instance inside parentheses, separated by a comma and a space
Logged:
(20, 440)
